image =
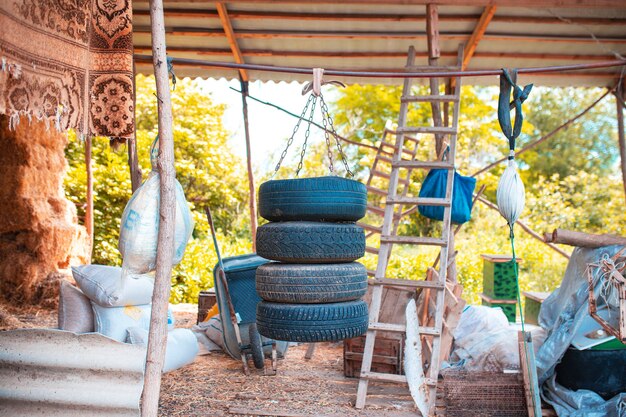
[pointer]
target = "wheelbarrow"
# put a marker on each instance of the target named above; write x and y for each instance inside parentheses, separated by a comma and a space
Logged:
(237, 298)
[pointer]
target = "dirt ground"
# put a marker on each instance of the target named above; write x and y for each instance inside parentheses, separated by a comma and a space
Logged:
(214, 385)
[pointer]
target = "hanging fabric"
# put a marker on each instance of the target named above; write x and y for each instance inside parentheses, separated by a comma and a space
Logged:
(434, 186)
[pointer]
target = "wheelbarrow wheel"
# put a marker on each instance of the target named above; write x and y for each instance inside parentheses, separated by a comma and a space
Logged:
(310, 242)
(331, 199)
(256, 346)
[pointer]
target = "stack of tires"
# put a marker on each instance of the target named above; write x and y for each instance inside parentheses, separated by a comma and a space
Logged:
(312, 293)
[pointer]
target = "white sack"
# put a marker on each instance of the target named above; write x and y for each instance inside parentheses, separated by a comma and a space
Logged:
(181, 349)
(108, 287)
(75, 313)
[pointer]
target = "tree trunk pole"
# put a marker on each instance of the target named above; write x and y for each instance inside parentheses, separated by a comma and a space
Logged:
(89, 198)
(165, 249)
(253, 219)
(133, 157)
(619, 96)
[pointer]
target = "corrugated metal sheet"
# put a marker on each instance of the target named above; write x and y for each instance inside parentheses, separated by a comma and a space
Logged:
(305, 35)
(56, 373)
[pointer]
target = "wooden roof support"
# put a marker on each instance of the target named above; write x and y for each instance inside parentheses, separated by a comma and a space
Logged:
(230, 36)
(477, 35)
(157, 336)
(371, 17)
(621, 138)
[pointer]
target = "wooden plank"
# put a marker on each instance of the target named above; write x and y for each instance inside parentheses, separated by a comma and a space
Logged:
(230, 36)
(477, 34)
(621, 137)
(424, 164)
(584, 240)
(429, 98)
(406, 283)
(197, 13)
(496, 300)
(422, 201)
(438, 130)
(89, 196)
(510, 3)
(414, 240)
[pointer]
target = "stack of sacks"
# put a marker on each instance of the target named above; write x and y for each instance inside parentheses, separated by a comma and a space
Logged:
(119, 307)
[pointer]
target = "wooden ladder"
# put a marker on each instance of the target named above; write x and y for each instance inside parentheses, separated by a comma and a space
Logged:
(378, 183)
(389, 236)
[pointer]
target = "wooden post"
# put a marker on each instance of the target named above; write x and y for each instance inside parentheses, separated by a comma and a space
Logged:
(432, 33)
(133, 158)
(619, 97)
(165, 248)
(252, 205)
(89, 197)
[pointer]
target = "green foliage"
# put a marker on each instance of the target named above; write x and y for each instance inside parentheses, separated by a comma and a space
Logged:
(206, 167)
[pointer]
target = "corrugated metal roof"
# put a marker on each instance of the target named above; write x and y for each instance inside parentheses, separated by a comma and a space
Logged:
(375, 36)
(47, 372)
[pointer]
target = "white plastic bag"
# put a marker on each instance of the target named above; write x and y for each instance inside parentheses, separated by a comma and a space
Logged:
(139, 228)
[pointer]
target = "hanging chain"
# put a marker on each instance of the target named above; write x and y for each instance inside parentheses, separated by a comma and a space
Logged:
(306, 134)
(326, 115)
(293, 134)
(331, 168)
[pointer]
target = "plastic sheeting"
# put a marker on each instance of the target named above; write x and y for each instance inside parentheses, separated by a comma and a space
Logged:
(561, 314)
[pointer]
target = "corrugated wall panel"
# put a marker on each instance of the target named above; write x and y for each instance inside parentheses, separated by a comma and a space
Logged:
(47, 372)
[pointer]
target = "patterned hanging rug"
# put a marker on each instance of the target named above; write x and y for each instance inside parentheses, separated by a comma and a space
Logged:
(68, 63)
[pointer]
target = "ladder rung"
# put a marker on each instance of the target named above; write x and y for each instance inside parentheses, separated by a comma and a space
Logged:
(388, 327)
(440, 130)
(393, 132)
(422, 201)
(377, 376)
(369, 227)
(370, 249)
(431, 98)
(388, 176)
(377, 210)
(414, 240)
(407, 283)
(423, 164)
(371, 273)
(376, 190)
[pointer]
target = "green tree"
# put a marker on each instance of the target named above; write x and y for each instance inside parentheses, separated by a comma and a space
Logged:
(206, 167)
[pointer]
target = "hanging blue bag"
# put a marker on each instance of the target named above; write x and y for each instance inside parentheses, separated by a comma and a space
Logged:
(434, 186)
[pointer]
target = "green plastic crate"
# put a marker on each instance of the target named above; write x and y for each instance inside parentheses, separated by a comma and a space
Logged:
(499, 277)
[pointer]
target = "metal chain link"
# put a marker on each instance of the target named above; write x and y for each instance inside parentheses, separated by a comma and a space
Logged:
(293, 134)
(306, 134)
(326, 115)
(331, 168)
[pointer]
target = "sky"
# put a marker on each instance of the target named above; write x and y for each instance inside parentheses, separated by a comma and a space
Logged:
(269, 128)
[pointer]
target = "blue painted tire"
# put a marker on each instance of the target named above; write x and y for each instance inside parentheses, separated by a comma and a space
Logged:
(331, 199)
(310, 242)
(311, 284)
(312, 322)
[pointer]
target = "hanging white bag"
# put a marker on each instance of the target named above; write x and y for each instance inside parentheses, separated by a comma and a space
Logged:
(139, 228)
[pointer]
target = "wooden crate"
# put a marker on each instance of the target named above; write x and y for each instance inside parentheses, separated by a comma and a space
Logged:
(206, 300)
(388, 356)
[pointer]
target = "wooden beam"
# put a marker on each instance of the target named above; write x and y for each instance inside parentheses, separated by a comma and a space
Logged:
(382, 17)
(368, 34)
(477, 35)
(251, 188)
(583, 240)
(369, 54)
(133, 157)
(621, 138)
(510, 3)
(157, 337)
(230, 36)
(434, 52)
